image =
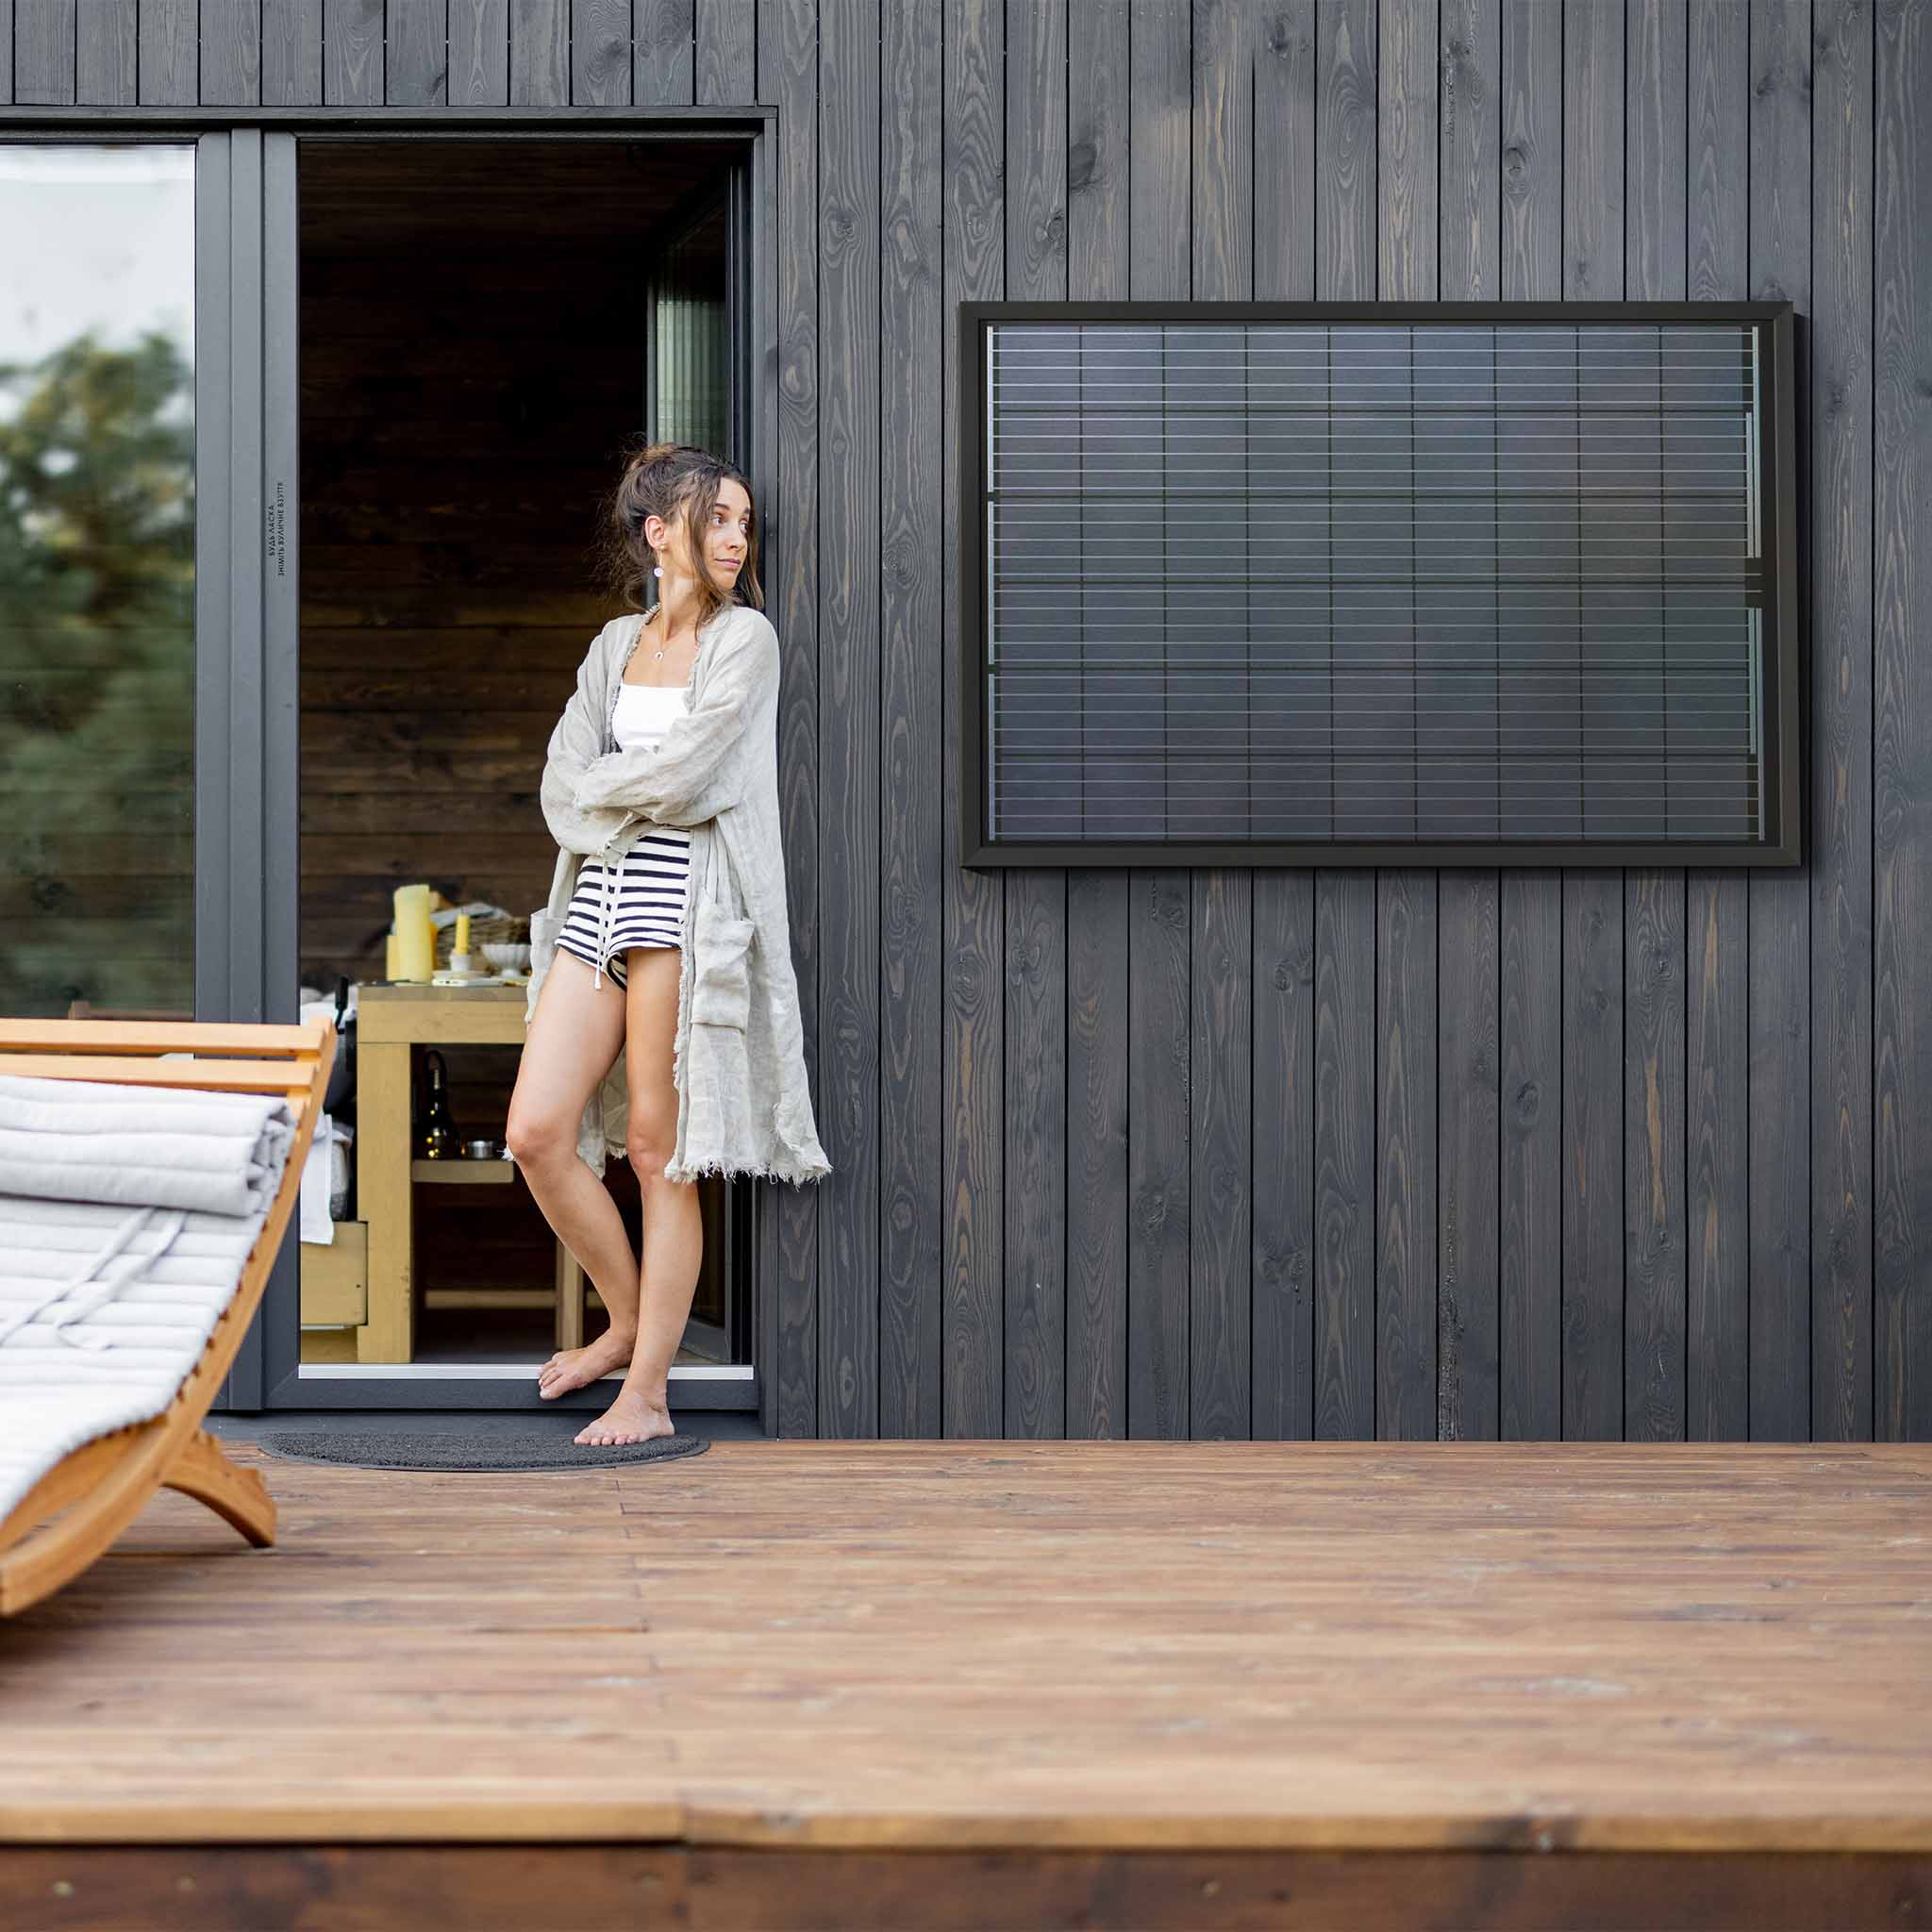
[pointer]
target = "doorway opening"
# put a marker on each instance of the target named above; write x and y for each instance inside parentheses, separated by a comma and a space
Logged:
(485, 324)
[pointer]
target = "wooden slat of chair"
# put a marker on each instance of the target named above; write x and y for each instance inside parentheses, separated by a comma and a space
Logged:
(74, 1513)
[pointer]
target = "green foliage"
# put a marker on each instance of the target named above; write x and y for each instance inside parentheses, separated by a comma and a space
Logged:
(97, 678)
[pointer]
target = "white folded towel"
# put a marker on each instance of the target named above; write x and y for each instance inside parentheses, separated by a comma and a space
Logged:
(144, 1146)
(126, 1216)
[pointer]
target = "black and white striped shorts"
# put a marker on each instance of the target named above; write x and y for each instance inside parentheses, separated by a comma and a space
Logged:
(652, 881)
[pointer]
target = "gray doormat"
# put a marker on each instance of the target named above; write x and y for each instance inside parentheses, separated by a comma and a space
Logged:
(473, 1448)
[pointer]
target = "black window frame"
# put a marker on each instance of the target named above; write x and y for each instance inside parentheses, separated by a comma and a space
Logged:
(1784, 617)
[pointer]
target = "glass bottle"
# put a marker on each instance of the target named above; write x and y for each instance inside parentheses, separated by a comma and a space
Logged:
(438, 1139)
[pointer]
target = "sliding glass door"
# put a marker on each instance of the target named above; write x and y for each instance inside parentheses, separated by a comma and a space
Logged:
(142, 579)
(169, 852)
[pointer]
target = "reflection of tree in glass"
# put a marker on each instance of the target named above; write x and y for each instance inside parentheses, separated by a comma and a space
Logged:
(97, 678)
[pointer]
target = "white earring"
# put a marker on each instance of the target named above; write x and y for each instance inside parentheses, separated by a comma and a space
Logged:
(657, 570)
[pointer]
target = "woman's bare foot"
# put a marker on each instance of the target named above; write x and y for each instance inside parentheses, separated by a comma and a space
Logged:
(629, 1419)
(571, 1368)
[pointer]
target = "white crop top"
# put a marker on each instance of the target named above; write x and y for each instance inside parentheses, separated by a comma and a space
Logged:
(643, 713)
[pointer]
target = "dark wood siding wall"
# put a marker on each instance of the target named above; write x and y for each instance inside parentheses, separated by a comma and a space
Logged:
(1331, 1153)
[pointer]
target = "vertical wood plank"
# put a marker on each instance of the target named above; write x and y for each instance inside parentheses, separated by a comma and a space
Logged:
(1220, 1242)
(1407, 1311)
(1780, 1010)
(974, 903)
(292, 52)
(1345, 967)
(1283, 1155)
(1034, 1156)
(1406, 1143)
(1654, 1115)
(1902, 748)
(1159, 931)
(106, 35)
(352, 69)
(1716, 963)
(1159, 919)
(1839, 704)
(1221, 946)
(788, 80)
(727, 54)
(1529, 908)
(848, 491)
(1098, 1012)
(169, 67)
(912, 488)
(479, 53)
(43, 53)
(1469, 990)
(1284, 118)
(539, 53)
(1530, 1239)
(600, 52)
(665, 52)
(1221, 119)
(1344, 1394)
(1591, 1196)
(1656, 219)
(416, 63)
(231, 52)
(1284, 897)
(1469, 1049)
(1717, 1139)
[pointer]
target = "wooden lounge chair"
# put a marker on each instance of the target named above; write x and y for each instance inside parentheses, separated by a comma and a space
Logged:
(73, 1511)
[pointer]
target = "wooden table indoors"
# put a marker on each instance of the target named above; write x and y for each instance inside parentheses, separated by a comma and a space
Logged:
(391, 1018)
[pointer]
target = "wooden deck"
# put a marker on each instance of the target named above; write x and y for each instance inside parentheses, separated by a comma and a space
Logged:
(977, 1683)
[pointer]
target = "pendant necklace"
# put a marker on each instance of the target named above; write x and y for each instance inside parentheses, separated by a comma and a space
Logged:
(658, 656)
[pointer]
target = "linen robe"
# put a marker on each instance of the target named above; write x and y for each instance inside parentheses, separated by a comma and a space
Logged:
(738, 1060)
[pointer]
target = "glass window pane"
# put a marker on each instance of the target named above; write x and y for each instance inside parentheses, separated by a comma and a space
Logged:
(97, 580)
(691, 348)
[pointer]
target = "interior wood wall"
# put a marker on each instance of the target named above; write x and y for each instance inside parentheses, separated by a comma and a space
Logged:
(1329, 1153)
(451, 454)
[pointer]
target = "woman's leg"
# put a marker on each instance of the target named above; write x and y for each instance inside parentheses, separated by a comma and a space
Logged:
(574, 1036)
(674, 1226)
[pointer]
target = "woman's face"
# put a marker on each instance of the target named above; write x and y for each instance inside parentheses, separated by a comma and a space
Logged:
(722, 546)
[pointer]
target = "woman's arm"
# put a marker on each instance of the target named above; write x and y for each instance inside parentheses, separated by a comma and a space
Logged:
(575, 744)
(704, 763)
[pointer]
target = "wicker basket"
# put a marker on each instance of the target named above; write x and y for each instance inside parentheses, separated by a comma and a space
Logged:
(487, 929)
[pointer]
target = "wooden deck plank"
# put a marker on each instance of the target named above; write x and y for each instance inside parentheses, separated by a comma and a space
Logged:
(512, 1888)
(1150, 1646)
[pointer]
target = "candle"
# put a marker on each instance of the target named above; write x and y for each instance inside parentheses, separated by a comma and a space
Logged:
(415, 933)
(462, 939)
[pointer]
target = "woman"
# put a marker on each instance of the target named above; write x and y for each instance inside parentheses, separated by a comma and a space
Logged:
(663, 1024)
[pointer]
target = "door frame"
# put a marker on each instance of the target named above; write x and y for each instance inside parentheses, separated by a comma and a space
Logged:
(247, 710)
